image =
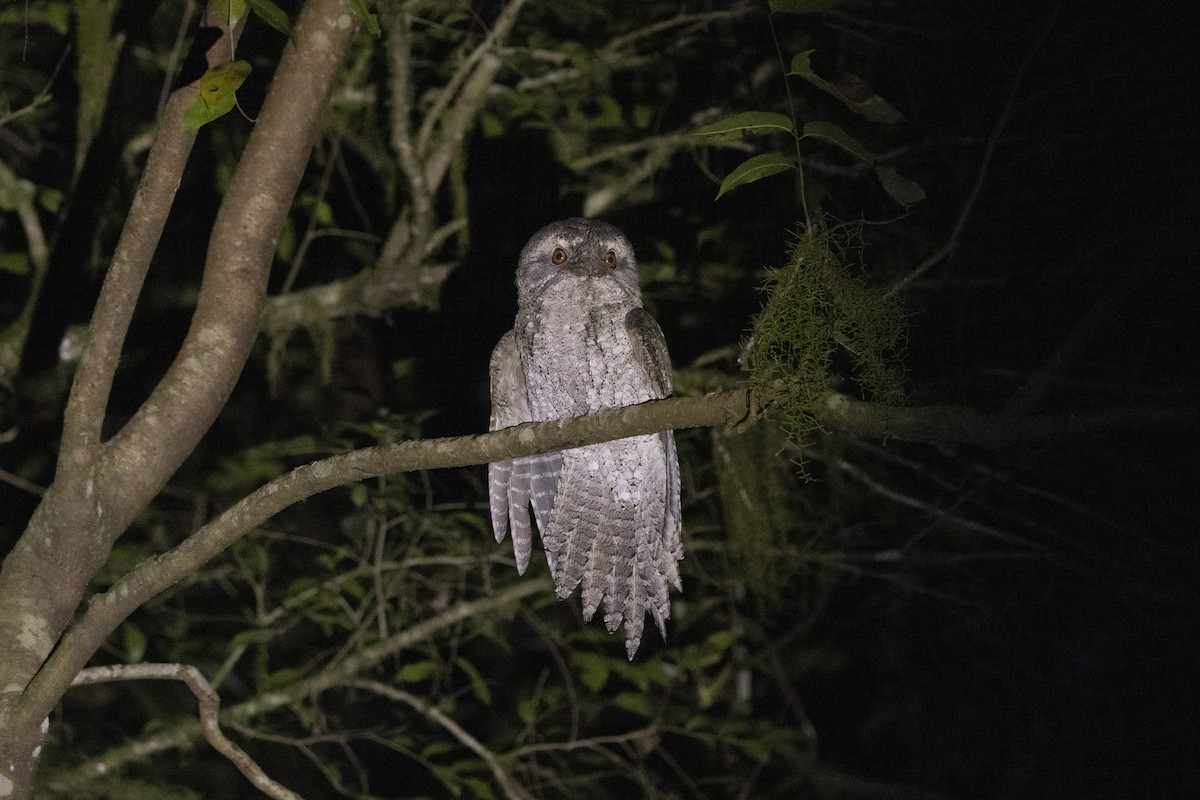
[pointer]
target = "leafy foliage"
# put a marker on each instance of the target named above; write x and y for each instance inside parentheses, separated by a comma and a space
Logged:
(855, 94)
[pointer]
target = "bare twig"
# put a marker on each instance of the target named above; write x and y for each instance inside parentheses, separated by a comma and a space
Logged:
(210, 705)
(12, 479)
(340, 675)
(947, 250)
(465, 90)
(511, 789)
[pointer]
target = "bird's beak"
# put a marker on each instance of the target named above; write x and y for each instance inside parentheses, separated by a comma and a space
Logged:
(587, 266)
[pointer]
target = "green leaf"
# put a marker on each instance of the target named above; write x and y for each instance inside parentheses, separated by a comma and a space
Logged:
(746, 123)
(480, 789)
(436, 748)
(492, 125)
(478, 685)
(58, 17)
(280, 679)
(217, 87)
(593, 670)
(801, 6)
(415, 672)
(610, 114)
(14, 263)
(369, 20)
(14, 193)
(714, 649)
(633, 702)
(133, 639)
(709, 691)
(834, 134)
(229, 10)
(274, 16)
(865, 102)
(753, 168)
(758, 750)
(251, 637)
(899, 188)
(448, 779)
(50, 199)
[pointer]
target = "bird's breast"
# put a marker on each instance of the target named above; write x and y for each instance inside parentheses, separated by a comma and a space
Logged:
(577, 354)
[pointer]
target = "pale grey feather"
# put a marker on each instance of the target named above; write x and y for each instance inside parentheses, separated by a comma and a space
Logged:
(514, 484)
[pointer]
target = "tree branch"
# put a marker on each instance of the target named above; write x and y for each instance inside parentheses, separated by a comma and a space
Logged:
(210, 705)
(730, 410)
(106, 611)
(454, 110)
(88, 399)
(241, 249)
(949, 425)
(44, 576)
(402, 276)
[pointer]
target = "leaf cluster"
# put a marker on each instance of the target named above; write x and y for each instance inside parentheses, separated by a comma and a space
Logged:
(853, 93)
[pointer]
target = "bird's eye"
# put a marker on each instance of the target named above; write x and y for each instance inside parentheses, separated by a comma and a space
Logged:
(558, 256)
(610, 259)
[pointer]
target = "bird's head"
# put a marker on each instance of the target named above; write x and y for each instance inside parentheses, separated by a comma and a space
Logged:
(576, 247)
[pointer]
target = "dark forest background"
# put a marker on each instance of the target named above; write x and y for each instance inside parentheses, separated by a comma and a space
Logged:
(861, 617)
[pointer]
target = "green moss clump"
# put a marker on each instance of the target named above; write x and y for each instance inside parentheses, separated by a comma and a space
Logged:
(819, 308)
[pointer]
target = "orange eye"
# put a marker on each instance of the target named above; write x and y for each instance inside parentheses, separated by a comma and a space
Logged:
(558, 256)
(610, 259)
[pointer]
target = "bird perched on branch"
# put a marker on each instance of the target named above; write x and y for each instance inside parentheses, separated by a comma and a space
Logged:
(607, 514)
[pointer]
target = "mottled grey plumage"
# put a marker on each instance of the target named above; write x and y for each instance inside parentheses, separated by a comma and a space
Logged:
(608, 514)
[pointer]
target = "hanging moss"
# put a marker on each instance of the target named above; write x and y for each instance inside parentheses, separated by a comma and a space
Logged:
(818, 311)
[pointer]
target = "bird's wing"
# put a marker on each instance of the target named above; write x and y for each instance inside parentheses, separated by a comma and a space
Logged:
(650, 349)
(515, 483)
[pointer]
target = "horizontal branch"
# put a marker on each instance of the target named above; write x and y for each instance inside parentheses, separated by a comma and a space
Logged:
(106, 611)
(731, 410)
(957, 425)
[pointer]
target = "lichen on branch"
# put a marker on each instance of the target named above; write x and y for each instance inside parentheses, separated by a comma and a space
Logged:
(820, 316)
